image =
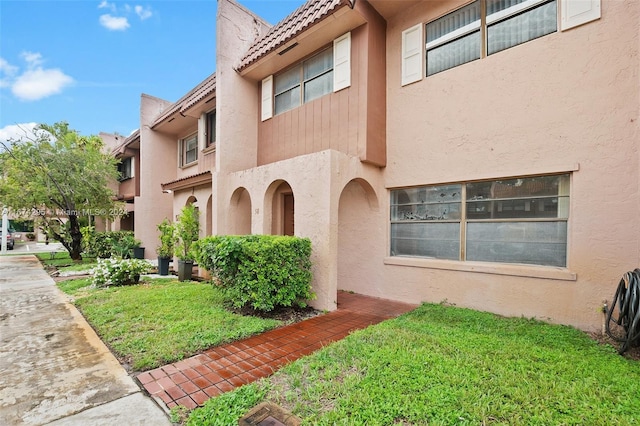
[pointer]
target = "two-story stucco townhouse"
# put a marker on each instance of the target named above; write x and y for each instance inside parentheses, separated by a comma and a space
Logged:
(480, 152)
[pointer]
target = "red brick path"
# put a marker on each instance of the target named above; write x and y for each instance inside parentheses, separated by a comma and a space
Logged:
(193, 381)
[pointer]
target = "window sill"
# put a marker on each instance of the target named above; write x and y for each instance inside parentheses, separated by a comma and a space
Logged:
(186, 166)
(210, 148)
(517, 270)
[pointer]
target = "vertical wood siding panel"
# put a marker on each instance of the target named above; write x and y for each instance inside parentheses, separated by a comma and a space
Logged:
(317, 125)
(326, 122)
(309, 127)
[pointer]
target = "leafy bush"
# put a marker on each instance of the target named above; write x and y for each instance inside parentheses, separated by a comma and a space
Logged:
(167, 239)
(187, 229)
(118, 272)
(109, 243)
(262, 271)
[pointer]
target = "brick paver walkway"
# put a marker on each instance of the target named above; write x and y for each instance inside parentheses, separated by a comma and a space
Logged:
(193, 381)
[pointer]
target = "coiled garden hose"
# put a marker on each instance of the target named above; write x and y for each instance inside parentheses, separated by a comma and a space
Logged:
(627, 299)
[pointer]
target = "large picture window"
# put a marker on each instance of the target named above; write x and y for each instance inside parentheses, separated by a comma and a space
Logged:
(305, 82)
(462, 35)
(520, 220)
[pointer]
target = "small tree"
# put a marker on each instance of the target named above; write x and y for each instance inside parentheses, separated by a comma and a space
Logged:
(167, 239)
(60, 176)
(187, 231)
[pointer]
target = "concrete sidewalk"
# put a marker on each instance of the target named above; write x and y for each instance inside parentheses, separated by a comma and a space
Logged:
(53, 367)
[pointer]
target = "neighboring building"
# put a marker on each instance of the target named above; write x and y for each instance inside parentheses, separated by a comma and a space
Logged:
(127, 151)
(482, 153)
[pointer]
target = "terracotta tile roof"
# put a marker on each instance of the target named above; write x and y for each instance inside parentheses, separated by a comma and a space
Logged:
(304, 17)
(193, 177)
(196, 94)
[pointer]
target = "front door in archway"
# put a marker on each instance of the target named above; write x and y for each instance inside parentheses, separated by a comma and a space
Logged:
(288, 214)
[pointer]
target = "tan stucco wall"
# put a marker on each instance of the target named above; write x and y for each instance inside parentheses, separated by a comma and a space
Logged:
(317, 194)
(565, 102)
(158, 157)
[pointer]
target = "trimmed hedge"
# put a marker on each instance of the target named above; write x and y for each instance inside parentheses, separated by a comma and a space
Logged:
(261, 271)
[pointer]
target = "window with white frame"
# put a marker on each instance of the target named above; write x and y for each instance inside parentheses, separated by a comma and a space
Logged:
(189, 150)
(304, 82)
(457, 37)
(484, 27)
(125, 168)
(210, 132)
(522, 220)
(326, 71)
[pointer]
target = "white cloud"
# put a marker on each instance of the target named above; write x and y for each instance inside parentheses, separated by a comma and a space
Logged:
(17, 132)
(106, 5)
(143, 13)
(35, 84)
(33, 59)
(7, 72)
(114, 23)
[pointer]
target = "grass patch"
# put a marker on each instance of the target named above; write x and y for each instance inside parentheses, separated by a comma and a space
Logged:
(73, 287)
(62, 259)
(78, 267)
(444, 365)
(162, 320)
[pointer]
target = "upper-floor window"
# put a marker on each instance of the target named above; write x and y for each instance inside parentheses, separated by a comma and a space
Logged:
(521, 220)
(189, 150)
(125, 168)
(484, 27)
(325, 72)
(457, 37)
(210, 135)
(304, 82)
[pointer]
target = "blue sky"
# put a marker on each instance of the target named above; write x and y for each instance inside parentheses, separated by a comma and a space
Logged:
(87, 62)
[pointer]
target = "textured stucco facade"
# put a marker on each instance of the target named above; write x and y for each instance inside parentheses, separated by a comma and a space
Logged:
(565, 103)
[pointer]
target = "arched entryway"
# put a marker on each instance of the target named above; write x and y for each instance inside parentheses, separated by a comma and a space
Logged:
(240, 212)
(361, 238)
(282, 206)
(208, 228)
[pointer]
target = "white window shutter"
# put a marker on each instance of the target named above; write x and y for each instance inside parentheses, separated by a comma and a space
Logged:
(578, 12)
(412, 54)
(342, 62)
(267, 98)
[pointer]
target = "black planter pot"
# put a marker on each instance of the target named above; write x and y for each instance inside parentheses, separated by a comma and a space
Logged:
(163, 265)
(185, 270)
(138, 252)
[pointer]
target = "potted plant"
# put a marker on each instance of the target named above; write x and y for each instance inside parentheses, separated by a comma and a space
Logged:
(166, 247)
(187, 232)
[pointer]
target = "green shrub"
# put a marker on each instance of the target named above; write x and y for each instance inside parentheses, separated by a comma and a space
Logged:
(261, 271)
(118, 272)
(187, 229)
(109, 243)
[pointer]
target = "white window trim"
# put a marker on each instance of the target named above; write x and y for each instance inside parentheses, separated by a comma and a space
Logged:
(511, 269)
(513, 10)
(467, 29)
(183, 150)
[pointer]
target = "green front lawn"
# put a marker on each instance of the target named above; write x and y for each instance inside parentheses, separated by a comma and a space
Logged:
(161, 320)
(449, 366)
(62, 259)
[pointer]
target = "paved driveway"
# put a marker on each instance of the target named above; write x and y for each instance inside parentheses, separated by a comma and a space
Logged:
(53, 367)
